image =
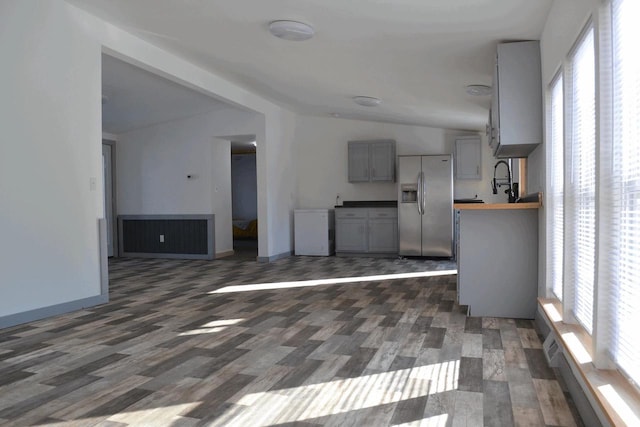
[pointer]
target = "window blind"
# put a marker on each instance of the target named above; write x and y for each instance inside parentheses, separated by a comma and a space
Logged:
(556, 195)
(623, 213)
(580, 200)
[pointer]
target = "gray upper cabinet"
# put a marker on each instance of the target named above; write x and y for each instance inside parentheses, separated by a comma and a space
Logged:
(372, 161)
(516, 108)
(359, 161)
(468, 153)
(382, 160)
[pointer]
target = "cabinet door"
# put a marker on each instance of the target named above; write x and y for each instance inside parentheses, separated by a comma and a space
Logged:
(519, 99)
(351, 235)
(383, 235)
(468, 158)
(494, 138)
(358, 161)
(383, 161)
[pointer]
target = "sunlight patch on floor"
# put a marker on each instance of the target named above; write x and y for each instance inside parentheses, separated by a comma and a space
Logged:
(156, 416)
(339, 397)
(330, 281)
(159, 415)
(435, 421)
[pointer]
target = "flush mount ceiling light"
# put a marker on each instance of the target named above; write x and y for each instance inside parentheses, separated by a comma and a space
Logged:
(478, 90)
(291, 30)
(366, 101)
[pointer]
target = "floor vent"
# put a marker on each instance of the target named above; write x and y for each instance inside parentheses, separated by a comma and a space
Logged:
(552, 350)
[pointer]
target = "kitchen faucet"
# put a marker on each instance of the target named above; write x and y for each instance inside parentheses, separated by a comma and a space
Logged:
(499, 182)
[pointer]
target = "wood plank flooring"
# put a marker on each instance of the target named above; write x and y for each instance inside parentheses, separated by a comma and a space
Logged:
(299, 342)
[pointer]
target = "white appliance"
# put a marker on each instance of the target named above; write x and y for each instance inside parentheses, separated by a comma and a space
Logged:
(314, 232)
(425, 205)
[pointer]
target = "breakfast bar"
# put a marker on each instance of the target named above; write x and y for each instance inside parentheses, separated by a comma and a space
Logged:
(497, 253)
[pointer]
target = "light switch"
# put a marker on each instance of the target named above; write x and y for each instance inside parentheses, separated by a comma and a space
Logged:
(162, 238)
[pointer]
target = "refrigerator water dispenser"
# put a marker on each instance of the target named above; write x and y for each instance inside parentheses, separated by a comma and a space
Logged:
(409, 193)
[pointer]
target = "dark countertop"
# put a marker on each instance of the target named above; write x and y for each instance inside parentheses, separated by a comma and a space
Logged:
(369, 204)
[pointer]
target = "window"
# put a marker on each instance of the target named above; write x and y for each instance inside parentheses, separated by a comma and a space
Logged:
(594, 241)
(593, 186)
(556, 189)
(580, 186)
(623, 213)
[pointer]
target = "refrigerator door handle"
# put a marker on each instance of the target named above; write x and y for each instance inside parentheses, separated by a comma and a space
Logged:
(419, 193)
(423, 190)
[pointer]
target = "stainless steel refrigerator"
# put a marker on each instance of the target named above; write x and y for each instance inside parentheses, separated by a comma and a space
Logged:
(425, 205)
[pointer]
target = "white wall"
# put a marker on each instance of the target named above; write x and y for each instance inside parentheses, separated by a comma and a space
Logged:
(566, 20)
(51, 133)
(276, 189)
(321, 159)
(220, 188)
(154, 162)
(50, 116)
(109, 136)
(244, 186)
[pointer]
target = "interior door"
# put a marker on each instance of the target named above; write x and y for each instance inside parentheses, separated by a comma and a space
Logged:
(437, 221)
(108, 194)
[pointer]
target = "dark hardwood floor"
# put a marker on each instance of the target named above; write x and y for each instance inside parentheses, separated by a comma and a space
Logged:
(301, 341)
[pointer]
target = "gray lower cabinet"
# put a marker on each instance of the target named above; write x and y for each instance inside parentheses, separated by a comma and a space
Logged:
(367, 231)
(383, 230)
(498, 262)
(351, 233)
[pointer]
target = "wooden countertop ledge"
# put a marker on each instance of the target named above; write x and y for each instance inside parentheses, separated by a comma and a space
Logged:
(499, 206)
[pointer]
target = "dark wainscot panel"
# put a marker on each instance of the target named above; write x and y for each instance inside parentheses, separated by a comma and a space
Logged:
(185, 236)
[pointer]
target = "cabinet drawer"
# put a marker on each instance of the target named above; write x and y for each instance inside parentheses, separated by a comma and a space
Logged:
(350, 213)
(383, 212)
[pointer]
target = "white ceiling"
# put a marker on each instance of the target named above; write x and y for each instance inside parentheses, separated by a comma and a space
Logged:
(416, 55)
(134, 98)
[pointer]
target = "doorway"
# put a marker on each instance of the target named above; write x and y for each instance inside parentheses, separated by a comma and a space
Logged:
(163, 129)
(244, 196)
(108, 148)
